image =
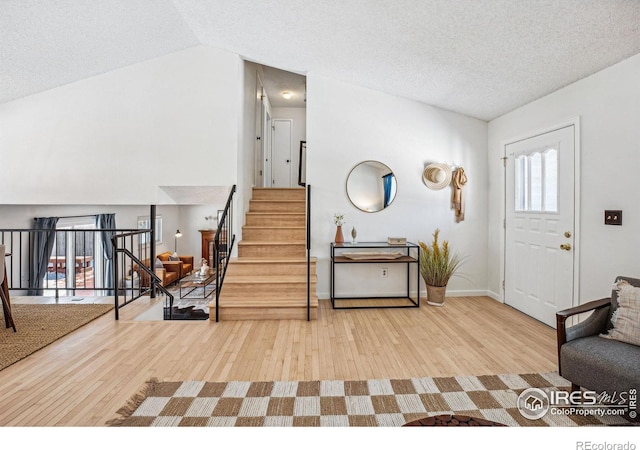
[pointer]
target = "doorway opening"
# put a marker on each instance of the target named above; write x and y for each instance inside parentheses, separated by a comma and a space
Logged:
(281, 126)
(73, 268)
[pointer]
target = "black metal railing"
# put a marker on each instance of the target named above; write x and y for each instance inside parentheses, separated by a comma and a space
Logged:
(77, 265)
(308, 219)
(223, 245)
(134, 274)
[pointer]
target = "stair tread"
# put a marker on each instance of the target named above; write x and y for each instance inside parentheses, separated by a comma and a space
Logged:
(283, 213)
(255, 279)
(245, 242)
(274, 259)
(279, 227)
(261, 303)
(277, 200)
(260, 188)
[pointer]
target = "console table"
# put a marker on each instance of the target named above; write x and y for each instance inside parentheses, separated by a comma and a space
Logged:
(376, 254)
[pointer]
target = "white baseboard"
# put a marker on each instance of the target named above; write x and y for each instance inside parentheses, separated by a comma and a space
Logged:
(450, 293)
(462, 293)
(495, 296)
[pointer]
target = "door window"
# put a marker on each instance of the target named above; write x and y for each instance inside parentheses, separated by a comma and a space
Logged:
(536, 181)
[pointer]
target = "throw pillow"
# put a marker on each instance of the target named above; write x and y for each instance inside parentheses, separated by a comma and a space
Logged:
(627, 316)
(174, 257)
(159, 264)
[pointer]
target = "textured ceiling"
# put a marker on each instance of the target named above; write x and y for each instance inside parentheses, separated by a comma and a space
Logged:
(277, 81)
(482, 58)
(45, 44)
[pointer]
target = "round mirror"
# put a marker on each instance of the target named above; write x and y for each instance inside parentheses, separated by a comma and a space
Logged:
(371, 186)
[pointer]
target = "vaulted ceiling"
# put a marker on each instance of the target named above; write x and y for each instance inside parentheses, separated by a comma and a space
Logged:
(481, 58)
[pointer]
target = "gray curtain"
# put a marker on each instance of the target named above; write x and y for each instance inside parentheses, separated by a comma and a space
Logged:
(107, 222)
(41, 252)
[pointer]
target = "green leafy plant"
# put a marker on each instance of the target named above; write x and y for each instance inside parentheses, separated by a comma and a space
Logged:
(338, 219)
(437, 262)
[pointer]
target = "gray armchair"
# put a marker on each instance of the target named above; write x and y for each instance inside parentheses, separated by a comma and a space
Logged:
(590, 361)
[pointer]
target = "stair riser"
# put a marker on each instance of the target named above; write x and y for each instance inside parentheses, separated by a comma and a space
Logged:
(265, 291)
(260, 302)
(228, 314)
(277, 269)
(271, 251)
(276, 206)
(275, 219)
(278, 194)
(274, 234)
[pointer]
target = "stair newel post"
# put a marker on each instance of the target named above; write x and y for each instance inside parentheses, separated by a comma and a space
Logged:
(308, 252)
(114, 242)
(152, 247)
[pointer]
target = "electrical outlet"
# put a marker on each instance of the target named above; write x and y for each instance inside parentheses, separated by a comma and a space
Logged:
(384, 272)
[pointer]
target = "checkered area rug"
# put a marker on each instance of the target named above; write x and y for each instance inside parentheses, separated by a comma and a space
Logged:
(369, 403)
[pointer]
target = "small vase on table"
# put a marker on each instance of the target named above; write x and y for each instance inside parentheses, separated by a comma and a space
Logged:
(339, 239)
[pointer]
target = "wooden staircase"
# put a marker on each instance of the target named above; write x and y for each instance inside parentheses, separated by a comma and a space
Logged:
(268, 279)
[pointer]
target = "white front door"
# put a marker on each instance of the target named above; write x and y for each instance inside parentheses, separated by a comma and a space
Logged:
(281, 152)
(540, 224)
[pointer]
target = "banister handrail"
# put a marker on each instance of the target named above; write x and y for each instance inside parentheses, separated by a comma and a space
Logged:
(90, 272)
(308, 196)
(155, 281)
(227, 207)
(225, 228)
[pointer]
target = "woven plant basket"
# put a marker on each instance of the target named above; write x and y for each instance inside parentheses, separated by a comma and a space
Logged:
(435, 295)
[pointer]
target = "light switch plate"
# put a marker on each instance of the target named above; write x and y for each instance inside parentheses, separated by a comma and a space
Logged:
(612, 217)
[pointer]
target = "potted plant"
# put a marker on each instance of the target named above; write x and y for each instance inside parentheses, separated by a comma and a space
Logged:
(437, 264)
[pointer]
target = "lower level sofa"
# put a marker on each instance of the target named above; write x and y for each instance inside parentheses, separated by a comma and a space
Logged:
(184, 263)
(166, 268)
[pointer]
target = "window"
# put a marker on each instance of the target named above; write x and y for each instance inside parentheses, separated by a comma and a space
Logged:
(144, 223)
(551, 180)
(72, 265)
(536, 181)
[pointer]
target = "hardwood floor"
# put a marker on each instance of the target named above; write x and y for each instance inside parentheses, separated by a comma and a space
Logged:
(83, 378)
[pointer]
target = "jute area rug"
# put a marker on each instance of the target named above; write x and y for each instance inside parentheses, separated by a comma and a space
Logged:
(40, 325)
(369, 403)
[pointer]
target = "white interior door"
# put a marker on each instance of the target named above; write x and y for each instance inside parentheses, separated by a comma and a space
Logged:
(259, 143)
(281, 153)
(266, 139)
(540, 224)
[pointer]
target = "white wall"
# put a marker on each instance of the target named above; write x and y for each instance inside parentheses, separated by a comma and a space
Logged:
(191, 219)
(347, 124)
(298, 118)
(608, 105)
(21, 216)
(116, 137)
(247, 153)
